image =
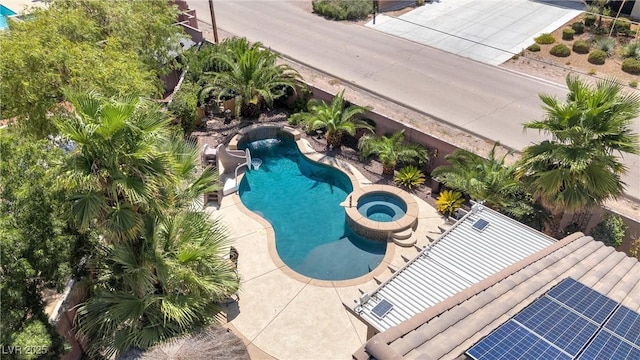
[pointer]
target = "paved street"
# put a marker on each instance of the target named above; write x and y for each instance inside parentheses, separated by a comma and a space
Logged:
(480, 98)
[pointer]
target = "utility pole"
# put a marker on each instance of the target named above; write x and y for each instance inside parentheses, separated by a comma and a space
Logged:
(213, 22)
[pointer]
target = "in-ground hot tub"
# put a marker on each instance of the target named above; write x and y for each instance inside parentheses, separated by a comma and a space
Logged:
(378, 211)
(382, 206)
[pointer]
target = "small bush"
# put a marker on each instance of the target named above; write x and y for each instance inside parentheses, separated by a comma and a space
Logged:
(578, 27)
(597, 57)
(534, 48)
(631, 66)
(567, 34)
(449, 202)
(545, 39)
(343, 9)
(184, 106)
(581, 47)
(633, 83)
(632, 50)
(610, 231)
(591, 71)
(621, 26)
(409, 177)
(608, 45)
(560, 50)
(590, 20)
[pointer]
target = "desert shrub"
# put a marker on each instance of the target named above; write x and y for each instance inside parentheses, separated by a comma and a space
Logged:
(590, 20)
(634, 249)
(578, 27)
(581, 47)
(545, 39)
(610, 230)
(560, 50)
(608, 45)
(631, 66)
(632, 50)
(448, 202)
(597, 57)
(409, 177)
(621, 26)
(567, 34)
(534, 47)
(184, 106)
(633, 83)
(343, 9)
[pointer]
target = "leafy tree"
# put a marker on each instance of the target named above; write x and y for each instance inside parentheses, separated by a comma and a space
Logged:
(166, 283)
(577, 169)
(126, 163)
(488, 180)
(391, 150)
(252, 74)
(90, 44)
(610, 230)
(184, 106)
(38, 250)
(337, 118)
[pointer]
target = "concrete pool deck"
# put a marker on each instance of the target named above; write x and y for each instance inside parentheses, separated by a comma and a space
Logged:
(283, 315)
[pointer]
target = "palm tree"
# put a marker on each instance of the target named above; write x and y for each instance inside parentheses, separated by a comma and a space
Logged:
(391, 150)
(336, 118)
(167, 283)
(126, 164)
(253, 76)
(488, 180)
(577, 168)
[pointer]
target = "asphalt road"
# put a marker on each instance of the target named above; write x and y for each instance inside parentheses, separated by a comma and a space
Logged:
(482, 99)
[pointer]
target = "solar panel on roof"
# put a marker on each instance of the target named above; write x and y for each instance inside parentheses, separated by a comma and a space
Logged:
(382, 308)
(513, 339)
(606, 346)
(583, 299)
(480, 224)
(626, 324)
(569, 321)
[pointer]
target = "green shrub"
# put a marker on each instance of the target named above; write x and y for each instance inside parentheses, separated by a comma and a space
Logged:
(632, 50)
(184, 106)
(610, 231)
(581, 47)
(631, 66)
(578, 27)
(590, 20)
(343, 9)
(545, 39)
(597, 57)
(534, 48)
(448, 202)
(621, 26)
(608, 45)
(409, 177)
(560, 50)
(633, 83)
(567, 34)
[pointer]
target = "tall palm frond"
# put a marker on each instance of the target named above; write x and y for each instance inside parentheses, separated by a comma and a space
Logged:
(164, 285)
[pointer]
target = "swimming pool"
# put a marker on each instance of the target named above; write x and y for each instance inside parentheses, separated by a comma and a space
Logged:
(301, 199)
(4, 13)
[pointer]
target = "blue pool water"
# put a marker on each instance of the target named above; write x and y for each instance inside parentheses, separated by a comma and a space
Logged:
(382, 207)
(4, 12)
(301, 199)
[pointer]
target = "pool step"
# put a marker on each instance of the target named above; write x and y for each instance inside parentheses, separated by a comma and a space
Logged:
(404, 234)
(406, 242)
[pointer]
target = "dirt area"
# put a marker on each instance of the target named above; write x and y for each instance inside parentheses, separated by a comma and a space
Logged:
(544, 65)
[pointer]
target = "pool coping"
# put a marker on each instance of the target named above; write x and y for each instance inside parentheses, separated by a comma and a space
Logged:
(357, 181)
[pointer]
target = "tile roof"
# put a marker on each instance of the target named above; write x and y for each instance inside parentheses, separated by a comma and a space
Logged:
(461, 257)
(448, 329)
